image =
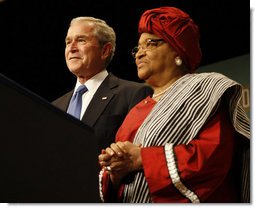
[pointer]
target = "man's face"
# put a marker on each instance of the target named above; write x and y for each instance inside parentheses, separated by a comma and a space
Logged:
(83, 53)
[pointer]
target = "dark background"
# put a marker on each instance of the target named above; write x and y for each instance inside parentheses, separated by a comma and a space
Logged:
(33, 32)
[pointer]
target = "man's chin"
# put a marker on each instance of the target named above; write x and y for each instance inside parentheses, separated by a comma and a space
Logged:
(75, 71)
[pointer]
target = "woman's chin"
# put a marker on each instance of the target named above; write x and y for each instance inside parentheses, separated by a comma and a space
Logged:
(143, 74)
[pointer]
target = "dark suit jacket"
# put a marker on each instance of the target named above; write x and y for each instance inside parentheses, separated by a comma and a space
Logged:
(109, 106)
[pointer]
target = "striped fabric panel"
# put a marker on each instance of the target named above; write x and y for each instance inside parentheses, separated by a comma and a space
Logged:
(245, 175)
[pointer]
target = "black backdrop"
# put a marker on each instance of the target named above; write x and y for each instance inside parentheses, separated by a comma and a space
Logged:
(33, 32)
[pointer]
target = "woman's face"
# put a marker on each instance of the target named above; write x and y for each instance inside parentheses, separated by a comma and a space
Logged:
(155, 60)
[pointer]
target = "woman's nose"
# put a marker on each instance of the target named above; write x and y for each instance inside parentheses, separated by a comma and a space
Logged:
(140, 53)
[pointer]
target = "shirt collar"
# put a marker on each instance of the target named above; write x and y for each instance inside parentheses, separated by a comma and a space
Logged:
(94, 82)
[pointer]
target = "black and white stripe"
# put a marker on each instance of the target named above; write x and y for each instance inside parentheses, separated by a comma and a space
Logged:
(180, 114)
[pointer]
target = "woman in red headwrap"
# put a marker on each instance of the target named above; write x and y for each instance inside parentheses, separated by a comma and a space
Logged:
(186, 142)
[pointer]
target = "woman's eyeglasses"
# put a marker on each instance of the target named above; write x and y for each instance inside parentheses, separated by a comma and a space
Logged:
(150, 44)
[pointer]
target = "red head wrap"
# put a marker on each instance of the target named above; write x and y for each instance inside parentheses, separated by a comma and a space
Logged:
(177, 29)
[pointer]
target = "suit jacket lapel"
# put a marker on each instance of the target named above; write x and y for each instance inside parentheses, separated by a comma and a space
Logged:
(100, 100)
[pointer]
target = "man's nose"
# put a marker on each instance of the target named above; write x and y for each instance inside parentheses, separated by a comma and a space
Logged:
(73, 46)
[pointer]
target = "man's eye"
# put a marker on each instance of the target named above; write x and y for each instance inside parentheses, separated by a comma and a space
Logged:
(81, 40)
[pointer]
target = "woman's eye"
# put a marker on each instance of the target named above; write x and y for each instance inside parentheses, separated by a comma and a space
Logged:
(151, 43)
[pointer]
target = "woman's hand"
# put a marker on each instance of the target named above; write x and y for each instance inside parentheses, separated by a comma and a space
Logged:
(122, 158)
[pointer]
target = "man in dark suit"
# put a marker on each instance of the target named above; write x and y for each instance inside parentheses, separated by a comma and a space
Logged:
(90, 46)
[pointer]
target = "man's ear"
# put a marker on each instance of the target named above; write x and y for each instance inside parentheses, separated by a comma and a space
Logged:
(106, 51)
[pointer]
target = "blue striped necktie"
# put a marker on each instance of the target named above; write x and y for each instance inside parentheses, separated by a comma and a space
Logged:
(74, 107)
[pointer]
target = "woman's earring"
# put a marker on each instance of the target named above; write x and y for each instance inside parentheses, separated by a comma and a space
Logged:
(178, 61)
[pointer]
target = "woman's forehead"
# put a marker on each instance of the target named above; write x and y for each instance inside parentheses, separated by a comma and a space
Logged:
(145, 36)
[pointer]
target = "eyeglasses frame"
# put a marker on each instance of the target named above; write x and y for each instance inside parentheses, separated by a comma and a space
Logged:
(135, 50)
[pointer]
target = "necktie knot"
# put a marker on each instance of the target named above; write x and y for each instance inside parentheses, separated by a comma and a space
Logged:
(74, 107)
(81, 89)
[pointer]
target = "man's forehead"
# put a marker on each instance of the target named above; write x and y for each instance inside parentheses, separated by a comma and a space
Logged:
(81, 30)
